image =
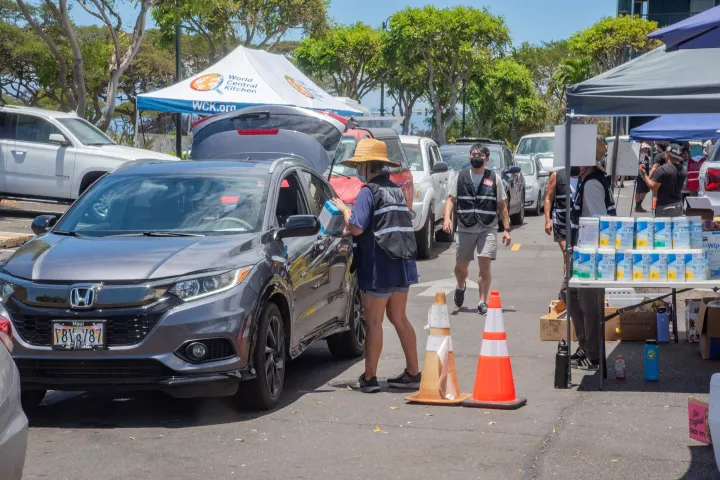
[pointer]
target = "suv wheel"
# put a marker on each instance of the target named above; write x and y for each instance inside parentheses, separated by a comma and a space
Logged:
(519, 218)
(263, 391)
(539, 205)
(425, 237)
(351, 344)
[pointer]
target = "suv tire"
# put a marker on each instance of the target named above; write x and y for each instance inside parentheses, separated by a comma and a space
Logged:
(350, 344)
(519, 218)
(269, 359)
(425, 237)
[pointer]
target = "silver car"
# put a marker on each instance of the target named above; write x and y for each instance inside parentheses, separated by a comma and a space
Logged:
(13, 422)
(536, 179)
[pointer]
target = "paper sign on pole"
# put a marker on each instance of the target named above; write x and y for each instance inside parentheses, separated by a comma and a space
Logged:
(582, 147)
(628, 158)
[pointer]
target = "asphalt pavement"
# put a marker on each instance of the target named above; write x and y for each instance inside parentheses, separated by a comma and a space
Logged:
(322, 430)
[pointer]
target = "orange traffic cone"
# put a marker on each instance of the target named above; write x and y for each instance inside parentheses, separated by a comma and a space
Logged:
(494, 384)
(439, 384)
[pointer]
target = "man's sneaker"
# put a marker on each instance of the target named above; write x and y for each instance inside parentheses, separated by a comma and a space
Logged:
(640, 209)
(593, 365)
(579, 353)
(366, 386)
(579, 359)
(405, 380)
(482, 308)
(459, 296)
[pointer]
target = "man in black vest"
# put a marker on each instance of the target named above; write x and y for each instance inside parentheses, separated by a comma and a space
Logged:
(667, 181)
(592, 199)
(477, 196)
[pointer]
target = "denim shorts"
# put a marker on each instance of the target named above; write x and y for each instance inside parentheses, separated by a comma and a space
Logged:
(386, 292)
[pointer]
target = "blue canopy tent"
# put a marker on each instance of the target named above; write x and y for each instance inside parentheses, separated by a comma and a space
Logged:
(682, 128)
(699, 31)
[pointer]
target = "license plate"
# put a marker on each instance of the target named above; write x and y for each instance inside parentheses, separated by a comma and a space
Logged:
(79, 335)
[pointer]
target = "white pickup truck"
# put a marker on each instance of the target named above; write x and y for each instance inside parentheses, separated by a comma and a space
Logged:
(48, 155)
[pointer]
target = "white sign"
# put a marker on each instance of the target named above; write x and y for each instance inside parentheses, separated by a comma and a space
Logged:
(628, 158)
(582, 145)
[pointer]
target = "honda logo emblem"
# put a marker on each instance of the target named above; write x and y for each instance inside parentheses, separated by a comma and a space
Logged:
(83, 297)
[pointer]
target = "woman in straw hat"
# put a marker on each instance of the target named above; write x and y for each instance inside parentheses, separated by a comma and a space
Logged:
(381, 223)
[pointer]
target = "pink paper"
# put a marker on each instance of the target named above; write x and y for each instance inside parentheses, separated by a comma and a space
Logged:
(697, 420)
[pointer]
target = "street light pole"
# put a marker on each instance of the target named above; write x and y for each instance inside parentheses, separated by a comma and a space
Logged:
(382, 82)
(178, 78)
(463, 115)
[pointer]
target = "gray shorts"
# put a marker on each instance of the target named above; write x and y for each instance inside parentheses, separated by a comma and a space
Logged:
(467, 243)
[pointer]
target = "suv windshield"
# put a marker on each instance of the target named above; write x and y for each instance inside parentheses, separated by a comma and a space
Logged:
(87, 133)
(527, 166)
(414, 156)
(168, 204)
(346, 149)
(534, 145)
(458, 157)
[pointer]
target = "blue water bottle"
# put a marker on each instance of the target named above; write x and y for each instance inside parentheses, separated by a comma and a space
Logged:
(652, 368)
(663, 325)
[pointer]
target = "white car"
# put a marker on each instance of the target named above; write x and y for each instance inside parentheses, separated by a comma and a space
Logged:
(430, 176)
(48, 155)
(709, 180)
(536, 180)
(541, 145)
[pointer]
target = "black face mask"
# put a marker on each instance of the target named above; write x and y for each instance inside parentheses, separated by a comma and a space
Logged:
(574, 171)
(476, 162)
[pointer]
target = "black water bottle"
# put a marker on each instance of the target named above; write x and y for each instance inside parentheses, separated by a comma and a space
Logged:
(561, 365)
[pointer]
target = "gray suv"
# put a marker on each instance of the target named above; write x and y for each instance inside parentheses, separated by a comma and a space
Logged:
(200, 279)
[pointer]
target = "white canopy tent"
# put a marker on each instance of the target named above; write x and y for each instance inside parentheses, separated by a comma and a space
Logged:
(244, 78)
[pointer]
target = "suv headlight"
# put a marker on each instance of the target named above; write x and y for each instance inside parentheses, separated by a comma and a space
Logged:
(6, 289)
(193, 289)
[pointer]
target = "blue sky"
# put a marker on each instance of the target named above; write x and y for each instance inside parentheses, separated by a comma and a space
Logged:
(529, 20)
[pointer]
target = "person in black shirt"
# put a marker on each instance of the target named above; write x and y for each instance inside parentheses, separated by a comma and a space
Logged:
(641, 189)
(667, 182)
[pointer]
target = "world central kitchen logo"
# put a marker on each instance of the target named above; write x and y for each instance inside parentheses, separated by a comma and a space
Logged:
(207, 82)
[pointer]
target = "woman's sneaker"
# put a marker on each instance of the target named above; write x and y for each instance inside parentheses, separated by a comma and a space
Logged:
(405, 380)
(482, 308)
(459, 296)
(366, 386)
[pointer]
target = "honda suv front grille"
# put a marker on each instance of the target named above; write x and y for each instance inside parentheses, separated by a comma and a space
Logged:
(126, 368)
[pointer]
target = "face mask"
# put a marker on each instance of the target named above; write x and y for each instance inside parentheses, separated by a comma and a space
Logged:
(361, 177)
(476, 162)
(574, 171)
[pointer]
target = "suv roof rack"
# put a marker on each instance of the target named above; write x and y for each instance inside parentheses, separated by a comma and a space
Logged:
(479, 140)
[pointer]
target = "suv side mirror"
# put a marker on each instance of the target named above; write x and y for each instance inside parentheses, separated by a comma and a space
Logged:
(43, 223)
(543, 173)
(58, 139)
(514, 169)
(439, 167)
(299, 226)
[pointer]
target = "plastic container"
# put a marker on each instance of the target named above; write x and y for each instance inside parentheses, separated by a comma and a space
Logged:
(696, 265)
(663, 325)
(608, 229)
(589, 234)
(681, 232)
(696, 232)
(652, 366)
(676, 266)
(662, 232)
(658, 265)
(585, 263)
(620, 368)
(624, 265)
(606, 264)
(624, 233)
(644, 230)
(641, 265)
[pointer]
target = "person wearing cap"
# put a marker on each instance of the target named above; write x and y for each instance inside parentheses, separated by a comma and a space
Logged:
(641, 189)
(381, 223)
(556, 207)
(477, 196)
(592, 199)
(667, 182)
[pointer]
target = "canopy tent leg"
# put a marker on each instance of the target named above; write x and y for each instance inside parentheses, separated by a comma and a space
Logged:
(568, 242)
(137, 122)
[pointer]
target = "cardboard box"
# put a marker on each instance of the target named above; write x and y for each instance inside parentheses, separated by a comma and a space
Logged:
(553, 326)
(636, 325)
(709, 328)
(698, 414)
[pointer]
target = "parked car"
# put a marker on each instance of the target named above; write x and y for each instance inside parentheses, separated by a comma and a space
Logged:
(709, 181)
(203, 279)
(13, 422)
(536, 143)
(536, 179)
(344, 179)
(47, 155)
(430, 177)
(457, 156)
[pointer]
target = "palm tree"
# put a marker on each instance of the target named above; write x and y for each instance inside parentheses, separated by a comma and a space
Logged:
(571, 71)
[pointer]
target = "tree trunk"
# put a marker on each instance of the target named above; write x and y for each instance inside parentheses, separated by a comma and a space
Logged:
(112, 88)
(78, 70)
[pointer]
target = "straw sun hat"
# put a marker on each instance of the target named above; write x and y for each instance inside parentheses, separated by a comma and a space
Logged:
(369, 150)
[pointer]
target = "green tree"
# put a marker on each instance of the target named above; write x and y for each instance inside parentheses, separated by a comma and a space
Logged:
(608, 42)
(571, 71)
(225, 24)
(348, 56)
(454, 44)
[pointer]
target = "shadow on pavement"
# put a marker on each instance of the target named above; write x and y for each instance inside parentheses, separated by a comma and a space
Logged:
(308, 373)
(682, 370)
(702, 464)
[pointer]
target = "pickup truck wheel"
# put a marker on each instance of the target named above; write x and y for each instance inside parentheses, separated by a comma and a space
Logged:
(519, 218)
(350, 344)
(269, 358)
(443, 236)
(425, 236)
